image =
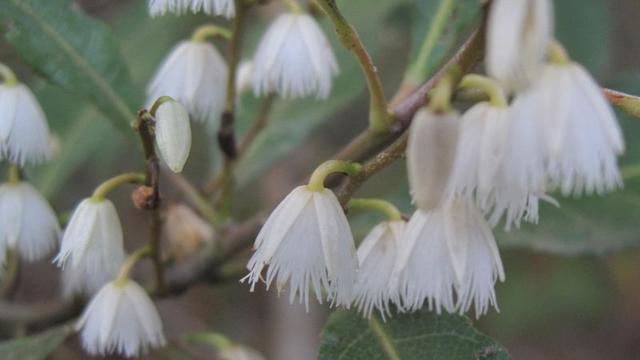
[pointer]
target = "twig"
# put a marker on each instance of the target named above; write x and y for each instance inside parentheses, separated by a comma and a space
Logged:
(628, 103)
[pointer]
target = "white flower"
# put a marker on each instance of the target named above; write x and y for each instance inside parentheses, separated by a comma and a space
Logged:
(518, 35)
(294, 59)
(92, 247)
(121, 318)
(225, 8)
(24, 133)
(27, 221)
(173, 134)
(307, 242)
(376, 258)
(195, 75)
(582, 134)
(450, 248)
(431, 153)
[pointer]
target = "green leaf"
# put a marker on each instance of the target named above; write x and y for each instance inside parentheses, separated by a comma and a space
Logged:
(73, 51)
(36, 347)
(420, 335)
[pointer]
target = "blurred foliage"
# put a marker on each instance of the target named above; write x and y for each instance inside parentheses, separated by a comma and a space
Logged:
(36, 347)
(419, 335)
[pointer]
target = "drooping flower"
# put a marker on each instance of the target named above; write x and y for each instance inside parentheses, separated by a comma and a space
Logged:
(376, 258)
(194, 74)
(27, 222)
(431, 154)
(173, 134)
(518, 35)
(92, 247)
(224, 8)
(582, 135)
(121, 319)
(294, 59)
(447, 251)
(307, 243)
(24, 133)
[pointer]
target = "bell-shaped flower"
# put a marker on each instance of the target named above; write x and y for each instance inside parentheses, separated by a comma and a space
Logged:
(294, 59)
(307, 243)
(518, 35)
(120, 319)
(582, 134)
(194, 74)
(24, 133)
(376, 258)
(431, 153)
(92, 247)
(173, 134)
(224, 8)
(27, 222)
(445, 251)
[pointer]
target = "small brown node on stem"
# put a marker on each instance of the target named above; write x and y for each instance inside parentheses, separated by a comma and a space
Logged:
(226, 136)
(144, 198)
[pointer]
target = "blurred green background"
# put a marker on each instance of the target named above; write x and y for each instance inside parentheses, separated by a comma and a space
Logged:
(572, 288)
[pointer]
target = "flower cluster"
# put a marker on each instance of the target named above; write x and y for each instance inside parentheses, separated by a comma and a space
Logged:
(545, 126)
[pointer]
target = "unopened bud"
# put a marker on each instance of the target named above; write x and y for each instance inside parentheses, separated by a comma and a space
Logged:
(186, 232)
(143, 197)
(173, 134)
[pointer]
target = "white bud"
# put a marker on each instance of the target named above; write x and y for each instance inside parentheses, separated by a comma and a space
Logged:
(518, 36)
(186, 232)
(225, 8)
(194, 74)
(307, 243)
(121, 319)
(294, 59)
(244, 76)
(430, 156)
(92, 249)
(27, 222)
(173, 134)
(24, 133)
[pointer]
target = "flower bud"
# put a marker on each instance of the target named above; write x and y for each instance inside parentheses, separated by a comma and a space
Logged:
(173, 134)
(186, 232)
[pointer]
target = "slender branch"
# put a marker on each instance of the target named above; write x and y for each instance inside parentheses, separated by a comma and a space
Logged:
(258, 124)
(379, 117)
(152, 203)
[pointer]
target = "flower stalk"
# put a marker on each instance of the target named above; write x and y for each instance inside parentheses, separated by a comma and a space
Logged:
(204, 32)
(316, 183)
(101, 192)
(379, 116)
(10, 78)
(490, 87)
(130, 262)
(388, 209)
(558, 54)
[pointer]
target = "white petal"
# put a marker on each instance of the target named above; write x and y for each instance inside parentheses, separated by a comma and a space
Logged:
(430, 156)
(195, 75)
(294, 59)
(225, 8)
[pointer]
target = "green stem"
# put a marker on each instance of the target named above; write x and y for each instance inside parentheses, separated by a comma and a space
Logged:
(316, 183)
(218, 341)
(10, 78)
(293, 6)
(441, 95)
(203, 32)
(387, 208)
(379, 117)
(418, 71)
(130, 262)
(487, 85)
(106, 187)
(558, 54)
(161, 100)
(13, 174)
